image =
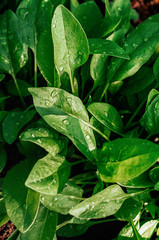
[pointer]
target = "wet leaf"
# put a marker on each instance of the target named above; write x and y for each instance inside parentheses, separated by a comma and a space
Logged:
(14, 122)
(66, 114)
(107, 115)
(45, 175)
(102, 204)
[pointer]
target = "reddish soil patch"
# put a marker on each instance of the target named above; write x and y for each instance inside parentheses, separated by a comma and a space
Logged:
(6, 230)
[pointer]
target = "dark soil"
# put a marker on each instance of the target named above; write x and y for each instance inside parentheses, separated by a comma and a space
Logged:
(145, 8)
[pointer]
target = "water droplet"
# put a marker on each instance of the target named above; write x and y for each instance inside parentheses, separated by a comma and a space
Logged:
(119, 9)
(42, 198)
(87, 137)
(80, 53)
(134, 45)
(36, 221)
(55, 199)
(53, 25)
(39, 141)
(54, 93)
(68, 55)
(106, 114)
(47, 103)
(54, 181)
(33, 135)
(23, 12)
(145, 39)
(61, 69)
(51, 214)
(66, 122)
(34, 181)
(126, 45)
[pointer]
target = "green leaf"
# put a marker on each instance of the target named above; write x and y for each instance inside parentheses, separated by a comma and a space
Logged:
(43, 228)
(3, 214)
(51, 141)
(150, 119)
(23, 85)
(3, 157)
(45, 175)
(70, 43)
(148, 228)
(142, 79)
(155, 69)
(66, 114)
(122, 8)
(85, 14)
(2, 76)
(140, 45)
(102, 46)
(125, 159)
(13, 50)
(107, 115)
(36, 18)
(64, 201)
(154, 174)
(141, 181)
(102, 204)
(21, 203)
(14, 122)
(129, 210)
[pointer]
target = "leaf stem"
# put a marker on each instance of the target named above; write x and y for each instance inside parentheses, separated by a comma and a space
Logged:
(35, 70)
(134, 114)
(98, 131)
(78, 162)
(104, 91)
(89, 93)
(18, 89)
(72, 83)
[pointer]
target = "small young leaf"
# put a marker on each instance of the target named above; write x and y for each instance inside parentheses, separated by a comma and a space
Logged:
(66, 114)
(102, 204)
(107, 115)
(154, 174)
(21, 203)
(102, 46)
(150, 119)
(3, 214)
(124, 159)
(14, 122)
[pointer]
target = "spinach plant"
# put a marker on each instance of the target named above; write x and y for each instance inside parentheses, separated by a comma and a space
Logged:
(79, 108)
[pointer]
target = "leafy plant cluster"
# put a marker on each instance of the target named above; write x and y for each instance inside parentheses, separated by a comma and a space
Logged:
(87, 146)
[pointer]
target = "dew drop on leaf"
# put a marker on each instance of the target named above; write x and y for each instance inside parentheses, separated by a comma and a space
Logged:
(145, 39)
(87, 137)
(66, 122)
(53, 25)
(33, 135)
(54, 93)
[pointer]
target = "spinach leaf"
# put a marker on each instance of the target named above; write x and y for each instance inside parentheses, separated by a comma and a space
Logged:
(44, 226)
(45, 176)
(124, 159)
(70, 43)
(66, 114)
(102, 204)
(21, 203)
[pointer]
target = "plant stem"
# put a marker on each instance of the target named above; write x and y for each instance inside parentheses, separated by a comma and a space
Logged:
(104, 91)
(72, 83)
(18, 89)
(134, 114)
(35, 70)
(90, 92)
(78, 162)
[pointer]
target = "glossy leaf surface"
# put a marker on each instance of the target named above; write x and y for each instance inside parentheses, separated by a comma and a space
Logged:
(102, 204)
(13, 50)
(124, 159)
(107, 115)
(66, 114)
(21, 203)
